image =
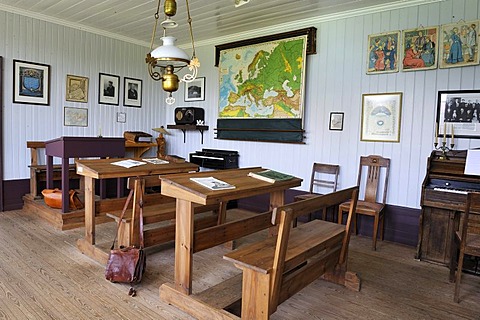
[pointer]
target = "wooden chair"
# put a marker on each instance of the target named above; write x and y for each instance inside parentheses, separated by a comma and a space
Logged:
(466, 239)
(369, 205)
(319, 180)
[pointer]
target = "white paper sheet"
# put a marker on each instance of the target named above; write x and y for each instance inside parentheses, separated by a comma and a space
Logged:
(472, 165)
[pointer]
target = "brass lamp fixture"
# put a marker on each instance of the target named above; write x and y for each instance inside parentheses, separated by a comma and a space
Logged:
(166, 60)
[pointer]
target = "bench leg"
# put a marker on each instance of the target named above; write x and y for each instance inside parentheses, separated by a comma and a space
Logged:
(255, 295)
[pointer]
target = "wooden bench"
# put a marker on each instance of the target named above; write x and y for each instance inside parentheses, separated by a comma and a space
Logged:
(278, 267)
(156, 209)
(38, 172)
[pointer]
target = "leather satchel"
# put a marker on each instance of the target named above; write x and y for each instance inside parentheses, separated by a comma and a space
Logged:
(127, 264)
(53, 199)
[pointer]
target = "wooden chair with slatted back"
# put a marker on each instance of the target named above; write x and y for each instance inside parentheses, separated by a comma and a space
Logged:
(377, 174)
(318, 180)
(466, 240)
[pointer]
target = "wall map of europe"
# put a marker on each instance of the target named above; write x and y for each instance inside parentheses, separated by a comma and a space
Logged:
(264, 80)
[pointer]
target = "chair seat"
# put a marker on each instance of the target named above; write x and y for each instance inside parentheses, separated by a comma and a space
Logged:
(306, 196)
(363, 207)
(472, 245)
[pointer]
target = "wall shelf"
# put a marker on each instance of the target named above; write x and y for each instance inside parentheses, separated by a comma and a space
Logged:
(185, 127)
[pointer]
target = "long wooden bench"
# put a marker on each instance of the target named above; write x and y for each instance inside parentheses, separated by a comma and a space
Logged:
(156, 209)
(277, 268)
(38, 172)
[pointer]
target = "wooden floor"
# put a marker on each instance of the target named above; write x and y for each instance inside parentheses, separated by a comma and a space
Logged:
(43, 276)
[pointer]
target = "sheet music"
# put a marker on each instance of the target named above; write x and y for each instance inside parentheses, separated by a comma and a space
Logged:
(472, 165)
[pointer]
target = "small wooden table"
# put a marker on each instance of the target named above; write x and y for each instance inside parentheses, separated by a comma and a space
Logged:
(104, 169)
(187, 192)
(138, 148)
(75, 147)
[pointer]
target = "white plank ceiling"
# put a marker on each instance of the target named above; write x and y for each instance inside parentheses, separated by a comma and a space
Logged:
(132, 20)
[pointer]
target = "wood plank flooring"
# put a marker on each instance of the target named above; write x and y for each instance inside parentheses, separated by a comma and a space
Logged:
(44, 276)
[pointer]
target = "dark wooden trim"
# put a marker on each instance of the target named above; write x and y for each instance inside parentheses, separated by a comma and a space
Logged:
(311, 33)
(2, 204)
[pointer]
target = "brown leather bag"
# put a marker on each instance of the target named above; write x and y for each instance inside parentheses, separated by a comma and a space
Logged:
(127, 265)
(53, 199)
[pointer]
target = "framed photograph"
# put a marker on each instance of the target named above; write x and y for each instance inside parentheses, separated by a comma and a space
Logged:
(132, 96)
(77, 89)
(108, 89)
(459, 44)
(76, 117)
(121, 117)
(336, 121)
(195, 90)
(381, 115)
(420, 49)
(383, 52)
(458, 114)
(31, 83)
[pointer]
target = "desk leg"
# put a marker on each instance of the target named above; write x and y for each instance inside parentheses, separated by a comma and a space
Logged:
(65, 185)
(277, 199)
(90, 210)
(184, 246)
(49, 172)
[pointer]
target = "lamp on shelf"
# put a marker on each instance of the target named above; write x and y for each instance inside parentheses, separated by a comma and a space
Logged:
(166, 60)
(161, 143)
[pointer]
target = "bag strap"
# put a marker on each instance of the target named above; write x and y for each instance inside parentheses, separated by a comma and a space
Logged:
(121, 217)
(140, 204)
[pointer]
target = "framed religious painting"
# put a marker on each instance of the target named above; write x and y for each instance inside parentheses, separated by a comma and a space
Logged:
(31, 83)
(77, 88)
(420, 49)
(381, 115)
(383, 52)
(459, 44)
(195, 90)
(132, 95)
(108, 89)
(458, 114)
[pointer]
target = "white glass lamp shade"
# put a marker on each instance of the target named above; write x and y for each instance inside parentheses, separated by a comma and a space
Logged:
(169, 54)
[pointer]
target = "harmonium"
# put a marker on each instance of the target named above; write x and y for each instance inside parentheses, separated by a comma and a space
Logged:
(215, 159)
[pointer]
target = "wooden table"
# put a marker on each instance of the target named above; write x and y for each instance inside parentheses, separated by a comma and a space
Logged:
(75, 147)
(187, 192)
(104, 169)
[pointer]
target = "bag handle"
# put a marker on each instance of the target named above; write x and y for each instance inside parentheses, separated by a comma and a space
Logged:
(121, 217)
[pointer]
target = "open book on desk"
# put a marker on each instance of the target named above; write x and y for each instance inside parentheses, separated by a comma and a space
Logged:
(213, 183)
(129, 163)
(270, 176)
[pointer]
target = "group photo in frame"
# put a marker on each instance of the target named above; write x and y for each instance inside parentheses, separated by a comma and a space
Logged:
(420, 49)
(459, 44)
(458, 112)
(383, 52)
(76, 89)
(75, 117)
(195, 90)
(336, 121)
(108, 89)
(31, 83)
(381, 117)
(132, 96)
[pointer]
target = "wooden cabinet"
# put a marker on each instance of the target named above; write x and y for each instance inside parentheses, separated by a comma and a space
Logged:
(437, 226)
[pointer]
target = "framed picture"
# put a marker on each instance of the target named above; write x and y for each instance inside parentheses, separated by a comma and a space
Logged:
(458, 114)
(336, 121)
(381, 115)
(108, 89)
(132, 96)
(121, 117)
(383, 52)
(420, 49)
(77, 88)
(195, 90)
(31, 83)
(459, 44)
(76, 117)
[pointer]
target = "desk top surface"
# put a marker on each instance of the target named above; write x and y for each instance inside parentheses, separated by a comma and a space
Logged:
(103, 168)
(181, 187)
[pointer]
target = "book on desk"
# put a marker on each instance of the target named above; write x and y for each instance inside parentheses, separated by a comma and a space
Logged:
(137, 136)
(213, 183)
(270, 176)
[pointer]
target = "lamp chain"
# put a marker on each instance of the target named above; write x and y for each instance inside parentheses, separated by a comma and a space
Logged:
(155, 25)
(189, 20)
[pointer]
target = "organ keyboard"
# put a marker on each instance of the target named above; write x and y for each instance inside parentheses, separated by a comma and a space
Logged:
(444, 191)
